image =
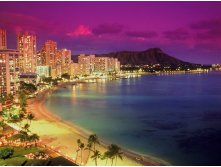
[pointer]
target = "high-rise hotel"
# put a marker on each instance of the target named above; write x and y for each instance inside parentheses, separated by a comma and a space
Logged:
(3, 40)
(9, 67)
(26, 44)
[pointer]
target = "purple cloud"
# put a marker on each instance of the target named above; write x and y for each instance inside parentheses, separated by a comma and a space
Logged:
(141, 34)
(210, 34)
(107, 29)
(178, 34)
(21, 22)
(206, 24)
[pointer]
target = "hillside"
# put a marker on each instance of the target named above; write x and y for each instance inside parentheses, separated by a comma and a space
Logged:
(147, 57)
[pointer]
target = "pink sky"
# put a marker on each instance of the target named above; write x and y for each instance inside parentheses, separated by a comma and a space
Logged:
(187, 30)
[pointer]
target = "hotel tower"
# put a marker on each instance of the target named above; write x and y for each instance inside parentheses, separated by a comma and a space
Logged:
(26, 44)
(9, 67)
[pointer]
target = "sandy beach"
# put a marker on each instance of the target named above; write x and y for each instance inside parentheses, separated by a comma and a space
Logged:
(62, 136)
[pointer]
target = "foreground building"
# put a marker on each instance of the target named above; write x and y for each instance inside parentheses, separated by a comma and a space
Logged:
(9, 70)
(26, 44)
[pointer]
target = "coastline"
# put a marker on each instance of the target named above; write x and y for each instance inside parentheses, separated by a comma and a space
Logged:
(61, 136)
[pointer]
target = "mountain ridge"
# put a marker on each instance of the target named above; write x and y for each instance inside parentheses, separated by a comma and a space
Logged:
(149, 56)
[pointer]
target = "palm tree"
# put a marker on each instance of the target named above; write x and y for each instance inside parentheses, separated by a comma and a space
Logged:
(21, 117)
(93, 139)
(30, 117)
(24, 137)
(13, 119)
(106, 156)
(89, 148)
(34, 137)
(22, 99)
(81, 148)
(95, 156)
(115, 152)
(26, 127)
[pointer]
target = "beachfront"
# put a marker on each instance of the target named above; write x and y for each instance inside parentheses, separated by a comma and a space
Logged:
(62, 136)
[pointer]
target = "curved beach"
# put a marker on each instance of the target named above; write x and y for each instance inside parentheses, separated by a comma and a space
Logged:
(61, 136)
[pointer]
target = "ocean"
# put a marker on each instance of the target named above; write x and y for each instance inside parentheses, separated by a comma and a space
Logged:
(174, 117)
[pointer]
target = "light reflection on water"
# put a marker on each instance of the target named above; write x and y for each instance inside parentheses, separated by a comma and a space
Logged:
(176, 117)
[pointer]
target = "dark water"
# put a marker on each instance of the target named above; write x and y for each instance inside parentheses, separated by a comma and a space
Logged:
(174, 117)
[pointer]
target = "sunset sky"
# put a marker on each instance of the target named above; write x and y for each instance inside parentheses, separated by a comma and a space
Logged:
(190, 31)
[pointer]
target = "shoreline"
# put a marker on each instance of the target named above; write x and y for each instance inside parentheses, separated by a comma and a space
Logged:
(42, 114)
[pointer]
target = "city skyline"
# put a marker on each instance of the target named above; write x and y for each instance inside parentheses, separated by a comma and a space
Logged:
(190, 31)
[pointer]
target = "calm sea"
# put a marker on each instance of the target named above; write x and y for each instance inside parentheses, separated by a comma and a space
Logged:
(173, 117)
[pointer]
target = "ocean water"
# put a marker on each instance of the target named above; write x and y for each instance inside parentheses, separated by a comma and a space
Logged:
(173, 117)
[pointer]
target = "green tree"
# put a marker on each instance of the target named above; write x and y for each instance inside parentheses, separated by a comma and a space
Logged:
(6, 153)
(89, 148)
(80, 147)
(95, 156)
(28, 88)
(93, 139)
(35, 138)
(26, 128)
(23, 136)
(66, 76)
(106, 156)
(114, 152)
(30, 117)
(22, 99)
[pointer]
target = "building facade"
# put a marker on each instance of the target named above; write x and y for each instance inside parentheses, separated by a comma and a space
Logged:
(9, 72)
(43, 71)
(75, 69)
(65, 60)
(3, 39)
(101, 65)
(86, 64)
(26, 44)
(48, 53)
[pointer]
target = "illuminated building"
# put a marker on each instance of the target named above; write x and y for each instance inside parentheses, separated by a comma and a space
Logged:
(3, 39)
(43, 71)
(65, 60)
(86, 64)
(26, 44)
(101, 65)
(39, 58)
(75, 69)
(48, 53)
(9, 71)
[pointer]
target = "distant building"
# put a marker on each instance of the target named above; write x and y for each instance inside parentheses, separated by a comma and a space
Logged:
(86, 64)
(65, 60)
(49, 51)
(3, 39)
(26, 44)
(43, 71)
(75, 69)
(9, 69)
(101, 65)
(39, 59)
